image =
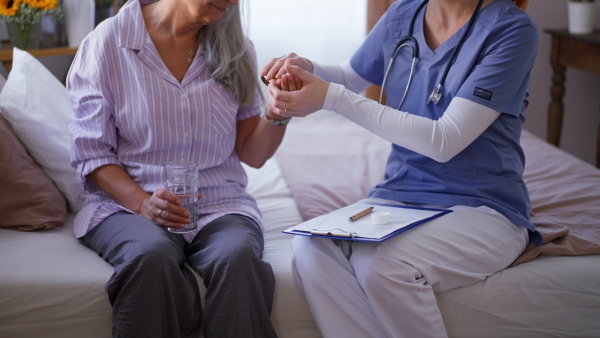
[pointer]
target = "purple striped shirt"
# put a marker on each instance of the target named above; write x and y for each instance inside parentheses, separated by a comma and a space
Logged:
(131, 111)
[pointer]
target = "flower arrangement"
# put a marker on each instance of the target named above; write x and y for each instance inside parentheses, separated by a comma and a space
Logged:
(25, 11)
(23, 19)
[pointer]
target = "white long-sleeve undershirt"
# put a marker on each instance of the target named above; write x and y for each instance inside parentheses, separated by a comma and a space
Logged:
(441, 140)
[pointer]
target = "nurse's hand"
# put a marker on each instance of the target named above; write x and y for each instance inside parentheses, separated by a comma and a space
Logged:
(275, 68)
(289, 82)
(299, 103)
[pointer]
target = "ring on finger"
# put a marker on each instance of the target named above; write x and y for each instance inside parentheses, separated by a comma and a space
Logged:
(285, 113)
(160, 211)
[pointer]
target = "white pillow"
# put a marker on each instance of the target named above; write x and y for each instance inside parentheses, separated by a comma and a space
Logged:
(2, 82)
(36, 105)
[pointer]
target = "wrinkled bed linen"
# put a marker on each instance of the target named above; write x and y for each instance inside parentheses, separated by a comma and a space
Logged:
(330, 162)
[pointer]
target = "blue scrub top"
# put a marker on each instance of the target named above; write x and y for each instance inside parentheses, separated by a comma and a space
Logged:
(492, 68)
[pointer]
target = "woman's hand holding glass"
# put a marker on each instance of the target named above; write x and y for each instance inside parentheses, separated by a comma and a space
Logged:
(165, 208)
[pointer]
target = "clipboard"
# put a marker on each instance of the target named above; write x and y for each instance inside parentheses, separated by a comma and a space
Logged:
(335, 224)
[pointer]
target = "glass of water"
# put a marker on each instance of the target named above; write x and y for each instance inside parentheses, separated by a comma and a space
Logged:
(181, 178)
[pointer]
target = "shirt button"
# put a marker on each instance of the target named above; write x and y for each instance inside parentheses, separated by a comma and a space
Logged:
(183, 96)
(185, 133)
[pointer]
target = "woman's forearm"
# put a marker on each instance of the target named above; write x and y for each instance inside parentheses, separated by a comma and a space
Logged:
(113, 180)
(258, 140)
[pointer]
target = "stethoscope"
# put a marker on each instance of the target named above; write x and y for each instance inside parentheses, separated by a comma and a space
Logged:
(436, 94)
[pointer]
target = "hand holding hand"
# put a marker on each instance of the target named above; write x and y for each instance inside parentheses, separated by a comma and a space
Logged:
(299, 103)
(289, 83)
(275, 68)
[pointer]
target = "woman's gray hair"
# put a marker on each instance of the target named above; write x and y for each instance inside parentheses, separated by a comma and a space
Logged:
(229, 59)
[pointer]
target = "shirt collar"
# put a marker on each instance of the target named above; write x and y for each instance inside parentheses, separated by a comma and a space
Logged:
(133, 35)
(133, 29)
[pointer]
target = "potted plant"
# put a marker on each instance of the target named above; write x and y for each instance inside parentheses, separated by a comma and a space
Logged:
(581, 16)
(23, 20)
(104, 10)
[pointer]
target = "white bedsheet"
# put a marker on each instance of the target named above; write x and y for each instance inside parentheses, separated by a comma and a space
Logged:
(52, 286)
(551, 296)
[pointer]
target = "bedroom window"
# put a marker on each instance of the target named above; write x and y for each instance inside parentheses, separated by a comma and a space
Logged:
(326, 31)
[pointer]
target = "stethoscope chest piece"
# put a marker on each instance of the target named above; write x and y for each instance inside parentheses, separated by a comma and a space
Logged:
(435, 95)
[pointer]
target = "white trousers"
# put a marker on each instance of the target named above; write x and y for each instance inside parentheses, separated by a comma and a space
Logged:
(365, 289)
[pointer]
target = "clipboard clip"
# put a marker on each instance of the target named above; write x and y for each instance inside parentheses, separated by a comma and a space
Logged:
(335, 232)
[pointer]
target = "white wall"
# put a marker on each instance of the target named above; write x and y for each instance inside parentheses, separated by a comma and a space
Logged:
(328, 31)
(325, 31)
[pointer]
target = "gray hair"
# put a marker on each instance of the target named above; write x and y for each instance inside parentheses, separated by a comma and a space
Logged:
(229, 59)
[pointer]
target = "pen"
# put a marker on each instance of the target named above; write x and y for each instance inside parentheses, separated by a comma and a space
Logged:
(360, 214)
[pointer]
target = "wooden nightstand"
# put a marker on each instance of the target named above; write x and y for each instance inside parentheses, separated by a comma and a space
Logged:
(568, 50)
(6, 55)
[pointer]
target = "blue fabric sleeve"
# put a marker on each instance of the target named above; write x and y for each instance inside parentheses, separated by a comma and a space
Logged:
(369, 59)
(500, 77)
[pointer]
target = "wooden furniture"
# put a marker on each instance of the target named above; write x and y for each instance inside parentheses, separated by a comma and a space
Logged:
(568, 50)
(6, 54)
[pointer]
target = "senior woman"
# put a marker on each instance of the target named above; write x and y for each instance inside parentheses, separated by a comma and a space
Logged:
(159, 82)
(456, 147)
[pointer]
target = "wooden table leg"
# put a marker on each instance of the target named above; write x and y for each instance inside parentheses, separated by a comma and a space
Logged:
(598, 147)
(557, 92)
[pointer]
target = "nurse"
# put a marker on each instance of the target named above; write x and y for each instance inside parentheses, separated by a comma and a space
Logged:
(457, 149)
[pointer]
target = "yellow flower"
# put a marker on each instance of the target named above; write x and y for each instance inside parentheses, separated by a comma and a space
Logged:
(43, 4)
(9, 7)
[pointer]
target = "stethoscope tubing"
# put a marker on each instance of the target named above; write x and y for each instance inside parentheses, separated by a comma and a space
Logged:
(436, 94)
(387, 72)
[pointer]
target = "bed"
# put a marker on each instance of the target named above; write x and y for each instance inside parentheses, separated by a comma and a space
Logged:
(53, 286)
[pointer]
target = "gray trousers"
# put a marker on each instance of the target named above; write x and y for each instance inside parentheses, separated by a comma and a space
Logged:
(154, 295)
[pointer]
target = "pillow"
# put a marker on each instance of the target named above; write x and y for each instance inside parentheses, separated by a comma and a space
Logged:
(30, 200)
(2, 82)
(37, 107)
(318, 161)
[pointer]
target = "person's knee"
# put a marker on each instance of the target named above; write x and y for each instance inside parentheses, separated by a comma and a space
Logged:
(375, 272)
(309, 255)
(302, 251)
(157, 254)
(239, 256)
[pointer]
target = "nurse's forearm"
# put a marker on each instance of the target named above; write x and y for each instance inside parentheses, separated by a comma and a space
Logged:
(342, 74)
(439, 140)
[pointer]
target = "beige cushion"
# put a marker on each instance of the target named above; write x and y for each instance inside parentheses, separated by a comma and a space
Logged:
(29, 198)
